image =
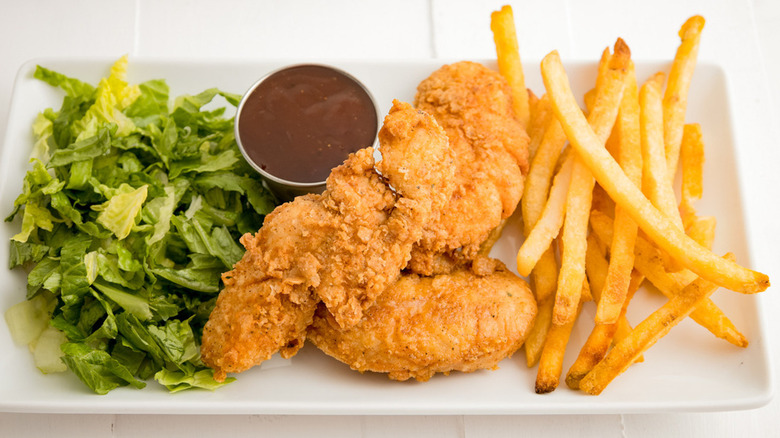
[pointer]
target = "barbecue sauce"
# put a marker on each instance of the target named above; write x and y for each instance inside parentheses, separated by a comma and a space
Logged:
(300, 122)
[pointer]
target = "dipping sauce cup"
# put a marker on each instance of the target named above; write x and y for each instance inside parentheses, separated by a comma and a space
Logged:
(296, 124)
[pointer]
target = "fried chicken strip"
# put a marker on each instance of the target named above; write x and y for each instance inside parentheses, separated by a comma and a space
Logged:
(342, 248)
(474, 106)
(426, 325)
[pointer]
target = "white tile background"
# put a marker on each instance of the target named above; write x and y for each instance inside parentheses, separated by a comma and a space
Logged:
(742, 35)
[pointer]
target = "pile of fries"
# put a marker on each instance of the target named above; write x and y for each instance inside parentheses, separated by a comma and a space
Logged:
(600, 214)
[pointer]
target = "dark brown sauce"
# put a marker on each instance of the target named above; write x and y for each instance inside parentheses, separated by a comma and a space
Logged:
(301, 122)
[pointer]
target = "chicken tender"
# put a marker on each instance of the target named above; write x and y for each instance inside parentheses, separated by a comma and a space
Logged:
(474, 106)
(342, 248)
(426, 325)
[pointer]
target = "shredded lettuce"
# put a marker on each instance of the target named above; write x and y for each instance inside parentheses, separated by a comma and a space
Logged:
(129, 213)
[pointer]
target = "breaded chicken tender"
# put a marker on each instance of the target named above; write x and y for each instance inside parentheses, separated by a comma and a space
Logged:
(426, 325)
(342, 248)
(474, 106)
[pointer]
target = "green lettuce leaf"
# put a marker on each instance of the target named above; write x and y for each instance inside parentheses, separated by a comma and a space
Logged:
(24, 252)
(130, 302)
(97, 369)
(178, 380)
(177, 340)
(73, 87)
(120, 213)
(91, 147)
(128, 215)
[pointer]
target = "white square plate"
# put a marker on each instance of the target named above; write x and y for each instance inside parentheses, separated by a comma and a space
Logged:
(689, 370)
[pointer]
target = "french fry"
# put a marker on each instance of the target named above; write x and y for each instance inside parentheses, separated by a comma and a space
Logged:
(601, 336)
(646, 334)
(502, 23)
(655, 184)
(629, 156)
(549, 224)
(540, 173)
(708, 314)
(578, 202)
(594, 349)
(596, 266)
(585, 293)
(575, 228)
(692, 156)
(533, 100)
(702, 230)
(545, 274)
(541, 114)
(676, 95)
(650, 263)
(692, 163)
(598, 341)
(590, 96)
(607, 172)
(601, 201)
(537, 187)
(534, 342)
(551, 361)
(623, 326)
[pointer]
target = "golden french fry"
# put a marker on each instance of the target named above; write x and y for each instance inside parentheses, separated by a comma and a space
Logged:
(502, 23)
(692, 163)
(658, 227)
(551, 361)
(707, 314)
(612, 143)
(655, 184)
(596, 265)
(544, 276)
(541, 114)
(650, 263)
(602, 335)
(589, 98)
(702, 230)
(647, 333)
(578, 202)
(601, 200)
(692, 156)
(546, 133)
(676, 96)
(629, 156)
(534, 342)
(585, 293)
(533, 100)
(598, 341)
(540, 173)
(604, 66)
(575, 229)
(623, 326)
(594, 349)
(548, 225)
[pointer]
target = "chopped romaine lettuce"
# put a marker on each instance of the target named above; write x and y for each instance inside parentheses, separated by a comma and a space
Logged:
(130, 212)
(47, 351)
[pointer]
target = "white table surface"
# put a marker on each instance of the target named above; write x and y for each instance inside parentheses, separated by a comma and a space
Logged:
(741, 35)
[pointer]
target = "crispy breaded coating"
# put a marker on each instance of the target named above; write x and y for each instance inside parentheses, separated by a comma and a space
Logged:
(474, 106)
(426, 325)
(342, 248)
